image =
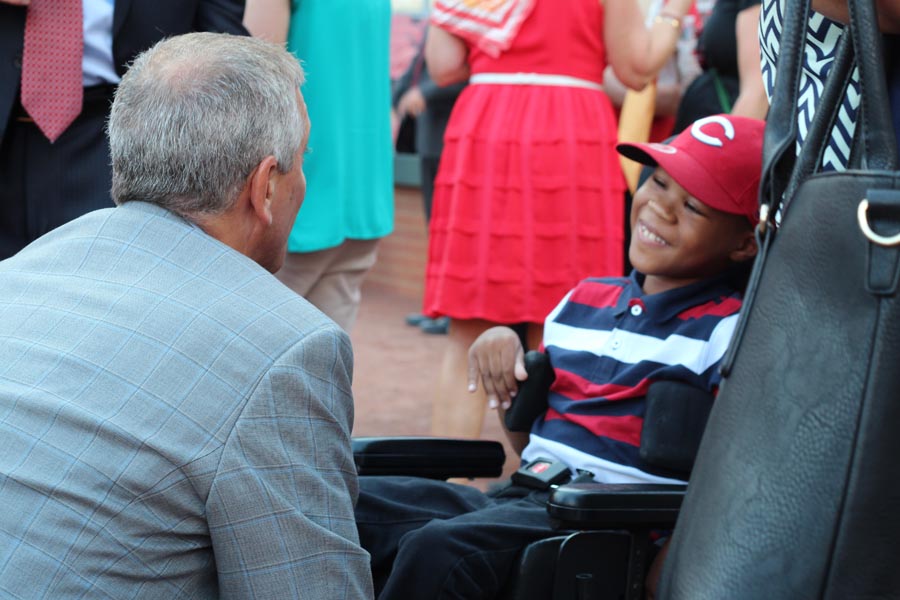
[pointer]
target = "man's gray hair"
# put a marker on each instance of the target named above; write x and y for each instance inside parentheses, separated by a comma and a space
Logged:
(195, 114)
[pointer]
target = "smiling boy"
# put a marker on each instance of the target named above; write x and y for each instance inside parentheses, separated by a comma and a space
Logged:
(693, 219)
(672, 319)
(607, 341)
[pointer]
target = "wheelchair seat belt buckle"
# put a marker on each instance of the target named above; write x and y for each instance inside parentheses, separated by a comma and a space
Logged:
(542, 474)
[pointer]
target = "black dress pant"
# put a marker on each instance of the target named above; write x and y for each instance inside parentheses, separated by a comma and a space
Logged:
(428, 168)
(432, 539)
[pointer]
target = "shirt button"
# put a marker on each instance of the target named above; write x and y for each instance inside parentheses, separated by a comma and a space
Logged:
(615, 344)
(636, 310)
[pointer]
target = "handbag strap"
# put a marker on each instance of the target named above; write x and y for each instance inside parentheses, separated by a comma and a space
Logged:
(779, 156)
(780, 137)
(879, 146)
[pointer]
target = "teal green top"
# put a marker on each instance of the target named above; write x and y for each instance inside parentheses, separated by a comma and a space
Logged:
(344, 48)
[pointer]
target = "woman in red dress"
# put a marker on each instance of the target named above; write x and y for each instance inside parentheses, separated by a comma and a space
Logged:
(528, 197)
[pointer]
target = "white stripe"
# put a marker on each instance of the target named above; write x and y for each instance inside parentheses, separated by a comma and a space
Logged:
(493, 32)
(604, 471)
(630, 348)
(497, 15)
(533, 79)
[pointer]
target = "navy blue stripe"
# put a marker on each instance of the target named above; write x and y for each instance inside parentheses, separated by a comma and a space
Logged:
(590, 318)
(604, 370)
(631, 407)
(583, 440)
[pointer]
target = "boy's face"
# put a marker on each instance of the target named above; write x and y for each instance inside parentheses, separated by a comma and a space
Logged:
(677, 240)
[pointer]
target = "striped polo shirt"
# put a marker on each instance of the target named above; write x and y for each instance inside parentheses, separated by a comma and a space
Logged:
(607, 342)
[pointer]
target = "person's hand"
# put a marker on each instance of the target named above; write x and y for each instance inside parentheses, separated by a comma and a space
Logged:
(498, 359)
(395, 126)
(15, 2)
(411, 103)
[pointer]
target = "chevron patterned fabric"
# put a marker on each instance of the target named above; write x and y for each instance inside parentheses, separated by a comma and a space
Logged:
(822, 36)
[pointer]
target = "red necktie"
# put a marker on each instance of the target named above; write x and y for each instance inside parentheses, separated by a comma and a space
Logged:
(51, 64)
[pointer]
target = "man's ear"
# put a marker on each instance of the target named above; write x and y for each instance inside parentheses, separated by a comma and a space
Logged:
(262, 189)
(746, 249)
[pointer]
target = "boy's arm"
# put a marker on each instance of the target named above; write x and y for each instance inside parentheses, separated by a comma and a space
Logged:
(497, 359)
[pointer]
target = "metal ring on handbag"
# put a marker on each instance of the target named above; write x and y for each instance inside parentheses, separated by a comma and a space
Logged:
(861, 215)
(763, 218)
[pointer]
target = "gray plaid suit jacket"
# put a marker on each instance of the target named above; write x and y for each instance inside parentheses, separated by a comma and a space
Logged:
(174, 422)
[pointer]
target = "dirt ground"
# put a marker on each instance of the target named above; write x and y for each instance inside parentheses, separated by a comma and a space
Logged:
(395, 365)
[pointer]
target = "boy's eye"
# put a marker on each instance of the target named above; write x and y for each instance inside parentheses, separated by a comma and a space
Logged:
(659, 181)
(693, 208)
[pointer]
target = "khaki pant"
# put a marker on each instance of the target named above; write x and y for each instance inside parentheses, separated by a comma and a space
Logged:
(331, 279)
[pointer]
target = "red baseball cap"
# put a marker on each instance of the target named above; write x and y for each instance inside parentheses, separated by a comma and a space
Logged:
(718, 160)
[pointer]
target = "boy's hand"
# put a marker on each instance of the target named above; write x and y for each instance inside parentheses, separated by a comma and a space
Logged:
(498, 359)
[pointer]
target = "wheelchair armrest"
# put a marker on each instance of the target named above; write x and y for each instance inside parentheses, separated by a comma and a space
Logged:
(531, 399)
(429, 457)
(615, 506)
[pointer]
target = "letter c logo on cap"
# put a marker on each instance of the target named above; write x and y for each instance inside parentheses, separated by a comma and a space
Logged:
(701, 136)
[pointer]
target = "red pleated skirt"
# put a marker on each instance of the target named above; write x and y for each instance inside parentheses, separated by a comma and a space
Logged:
(529, 200)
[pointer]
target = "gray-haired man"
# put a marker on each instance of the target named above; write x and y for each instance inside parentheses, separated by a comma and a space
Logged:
(174, 421)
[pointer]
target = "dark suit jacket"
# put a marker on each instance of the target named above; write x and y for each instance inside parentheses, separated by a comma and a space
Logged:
(439, 101)
(137, 25)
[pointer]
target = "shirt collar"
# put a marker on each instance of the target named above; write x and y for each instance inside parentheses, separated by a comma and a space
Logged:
(667, 305)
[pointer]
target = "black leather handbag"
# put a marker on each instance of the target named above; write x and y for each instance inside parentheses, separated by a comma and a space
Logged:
(796, 490)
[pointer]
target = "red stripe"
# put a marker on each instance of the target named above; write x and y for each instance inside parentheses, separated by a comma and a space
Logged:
(625, 429)
(596, 294)
(723, 308)
(576, 388)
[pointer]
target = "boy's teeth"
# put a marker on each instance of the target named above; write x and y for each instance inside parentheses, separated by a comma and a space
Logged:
(652, 235)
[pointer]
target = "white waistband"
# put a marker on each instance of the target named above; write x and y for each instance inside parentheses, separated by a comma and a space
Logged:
(533, 79)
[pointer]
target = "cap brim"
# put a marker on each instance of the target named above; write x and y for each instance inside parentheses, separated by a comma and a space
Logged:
(680, 165)
(637, 153)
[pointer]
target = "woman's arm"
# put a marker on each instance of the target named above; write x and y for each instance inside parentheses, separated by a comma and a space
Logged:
(446, 57)
(667, 94)
(888, 13)
(636, 52)
(751, 100)
(268, 19)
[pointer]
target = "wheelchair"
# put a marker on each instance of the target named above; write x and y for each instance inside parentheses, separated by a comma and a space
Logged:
(609, 552)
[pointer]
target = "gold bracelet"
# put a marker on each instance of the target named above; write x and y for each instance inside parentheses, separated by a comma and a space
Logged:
(675, 22)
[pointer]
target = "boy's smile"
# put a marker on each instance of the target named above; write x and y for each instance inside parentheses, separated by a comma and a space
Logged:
(648, 235)
(677, 240)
